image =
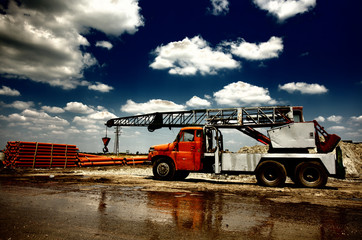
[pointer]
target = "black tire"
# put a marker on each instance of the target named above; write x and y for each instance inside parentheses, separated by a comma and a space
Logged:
(271, 174)
(181, 175)
(164, 169)
(311, 175)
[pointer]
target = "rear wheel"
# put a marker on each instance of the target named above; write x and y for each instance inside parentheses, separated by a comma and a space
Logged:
(271, 174)
(311, 175)
(164, 169)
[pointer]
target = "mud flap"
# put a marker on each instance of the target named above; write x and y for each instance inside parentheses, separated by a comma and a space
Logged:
(340, 169)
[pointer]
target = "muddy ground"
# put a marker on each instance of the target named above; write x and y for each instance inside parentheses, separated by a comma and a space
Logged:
(346, 192)
(126, 203)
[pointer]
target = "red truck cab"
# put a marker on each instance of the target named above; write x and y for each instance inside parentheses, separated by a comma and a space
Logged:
(177, 159)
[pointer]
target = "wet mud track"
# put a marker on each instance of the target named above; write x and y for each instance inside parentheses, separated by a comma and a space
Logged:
(129, 204)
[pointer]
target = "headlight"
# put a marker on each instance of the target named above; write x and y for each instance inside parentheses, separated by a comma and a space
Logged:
(151, 149)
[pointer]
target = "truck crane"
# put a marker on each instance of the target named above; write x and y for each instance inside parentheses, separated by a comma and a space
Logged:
(198, 147)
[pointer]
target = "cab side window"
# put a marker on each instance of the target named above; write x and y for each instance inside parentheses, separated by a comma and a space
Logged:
(188, 136)
(297, 117)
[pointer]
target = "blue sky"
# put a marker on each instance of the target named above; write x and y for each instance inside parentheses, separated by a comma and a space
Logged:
(66, 68)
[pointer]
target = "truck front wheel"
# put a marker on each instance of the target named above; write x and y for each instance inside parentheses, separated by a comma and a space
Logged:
(271, 174)
(311, 175)
(164, 169)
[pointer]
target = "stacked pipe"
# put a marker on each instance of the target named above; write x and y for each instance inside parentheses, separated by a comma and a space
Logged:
(40, 155)
(87, 160)
(136, 160)
(50, 155)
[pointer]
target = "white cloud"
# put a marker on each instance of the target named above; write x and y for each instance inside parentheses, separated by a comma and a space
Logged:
(357, 134)
(190, 56)
(304, 88)
(252, 51)
(9, 92)
(102, 115)
(78, 107)
(219, 7)
(15, 117)
(35, 118)
(304, 54)
(334, 118)
(21, 105)
(92, 123)
(153, 105)
(33, 113)
(92, 116)
(83, 120)
(54, 127)
(52, 109)
(73, 130)
(57, 132)
(91, 131)
(101, 87)
(42, 40)
(284, 9)
(320, 119)
(37, 125)
(198, 102)
(337, 128)
(104, 44)
(241, 93)
(357, 119)
(111, 17)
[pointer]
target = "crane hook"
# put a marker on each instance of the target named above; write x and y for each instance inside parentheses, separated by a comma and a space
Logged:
(105, 142)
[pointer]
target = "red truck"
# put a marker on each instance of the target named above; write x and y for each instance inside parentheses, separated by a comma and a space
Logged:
(199, 147)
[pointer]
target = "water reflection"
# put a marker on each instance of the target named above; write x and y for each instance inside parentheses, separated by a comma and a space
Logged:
(187, 210)
(214, 214)
(113, 212)
(221, 213)
(206, 211)
(102, 202)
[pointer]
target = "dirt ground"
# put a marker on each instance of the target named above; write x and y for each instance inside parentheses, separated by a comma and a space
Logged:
(346, 192)
(127, 203)
(337, 192)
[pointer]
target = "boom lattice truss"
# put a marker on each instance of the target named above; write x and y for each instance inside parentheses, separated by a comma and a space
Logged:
(240, 118)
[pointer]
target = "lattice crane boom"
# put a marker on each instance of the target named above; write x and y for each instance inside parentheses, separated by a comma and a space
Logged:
(241, 117)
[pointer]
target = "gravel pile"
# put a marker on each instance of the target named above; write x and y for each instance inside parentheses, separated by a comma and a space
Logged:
(352, 158)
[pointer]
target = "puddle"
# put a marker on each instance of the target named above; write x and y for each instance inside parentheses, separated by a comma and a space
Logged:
(72, 211)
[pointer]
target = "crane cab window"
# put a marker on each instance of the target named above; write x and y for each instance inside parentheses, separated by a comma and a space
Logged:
(187, 136)
(298, 117)
(298, 114)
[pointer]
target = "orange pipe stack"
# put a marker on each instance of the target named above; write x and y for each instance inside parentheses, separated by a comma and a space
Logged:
(40, 155)
(136, 160)
(87, 160)
(50, 155)
(10, 153)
